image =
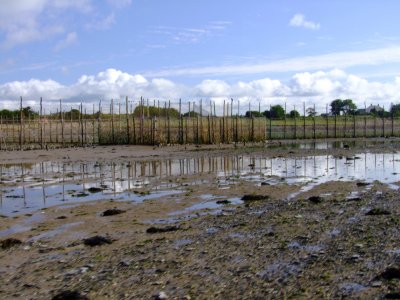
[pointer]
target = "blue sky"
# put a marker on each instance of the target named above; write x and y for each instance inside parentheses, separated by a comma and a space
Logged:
(253, 51)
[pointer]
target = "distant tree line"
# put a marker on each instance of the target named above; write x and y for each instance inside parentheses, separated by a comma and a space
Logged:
(337, 107)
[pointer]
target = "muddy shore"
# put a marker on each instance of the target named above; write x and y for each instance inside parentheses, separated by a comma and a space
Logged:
(338, 239)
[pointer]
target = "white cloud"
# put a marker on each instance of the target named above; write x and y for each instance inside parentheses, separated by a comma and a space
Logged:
(25, 21)
(318, 88)
(298, 64)
(299, 20)
(102, 24)
(70, 39)
(120, 3)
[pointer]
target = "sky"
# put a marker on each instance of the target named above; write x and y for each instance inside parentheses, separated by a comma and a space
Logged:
(256, 51)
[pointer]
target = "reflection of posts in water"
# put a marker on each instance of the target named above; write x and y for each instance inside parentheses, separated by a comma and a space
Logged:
(327, 165)
(23, 184)
(63, 180)
(113, 178)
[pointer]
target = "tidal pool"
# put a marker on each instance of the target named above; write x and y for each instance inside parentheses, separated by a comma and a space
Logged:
(26, 188)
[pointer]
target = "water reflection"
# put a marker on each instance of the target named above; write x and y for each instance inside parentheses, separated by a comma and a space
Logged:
(49, 183)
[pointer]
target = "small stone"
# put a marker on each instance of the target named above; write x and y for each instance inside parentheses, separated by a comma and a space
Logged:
(378, 212)
(255, 197)
(160, 296)
(69, 295)
(315, 199)
(390, 273)
(124, 263)
(97, 241)
(94, 190)
(112, 212)
(162, 229)
(223, 202)
(9, 243)
(376, 284)
(394, 295)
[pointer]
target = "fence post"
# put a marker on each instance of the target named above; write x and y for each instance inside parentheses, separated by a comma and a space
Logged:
(270, 122)
(304, 120)
(383, 121)
(201, 121)
(40, 122)
(327, 122)
(20, 126)
(128, 134)
(81, 124)
(62, 125)
(314, 135)
(284, 124)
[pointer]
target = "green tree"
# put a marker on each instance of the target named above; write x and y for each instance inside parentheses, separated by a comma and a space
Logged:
(336, 106)
(277, 112)
(395, 110)
(253, 113)
(311, 112)
(294, 114)
(348, 107)
(153, 111)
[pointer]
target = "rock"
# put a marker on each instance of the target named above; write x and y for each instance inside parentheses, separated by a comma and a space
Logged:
(265, 183)
(160, 296)
(390, 273)
(255, 197)
(69, 295)
(97, 240)
(376, 284)
(61, 217)
(360, 184)
(394, 295)
(9, 243)
(223, 202)
(355, 199)
(315, 199)
(112, 212)
(94, 189)
(377, 212)
(162, 229)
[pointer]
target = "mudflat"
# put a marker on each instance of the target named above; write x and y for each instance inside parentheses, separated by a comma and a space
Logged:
(214, 236)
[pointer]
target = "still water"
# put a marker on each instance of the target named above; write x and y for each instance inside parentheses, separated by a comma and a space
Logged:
(29, 187)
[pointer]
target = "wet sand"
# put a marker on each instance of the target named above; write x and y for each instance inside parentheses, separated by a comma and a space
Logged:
(335, 240)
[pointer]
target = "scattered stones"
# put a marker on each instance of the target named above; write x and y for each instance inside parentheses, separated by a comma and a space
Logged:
(162, 229)
(9, 243)
(112, 212)
(69, 295)
(255, 197)
(377, 212)
(315, 199)
(97, 240)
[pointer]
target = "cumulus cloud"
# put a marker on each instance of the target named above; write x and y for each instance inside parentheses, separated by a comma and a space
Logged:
(318, 88)
(299, 20)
